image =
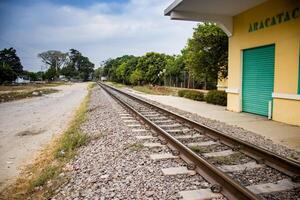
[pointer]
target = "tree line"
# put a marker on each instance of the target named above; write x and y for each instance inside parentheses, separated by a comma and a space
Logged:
(199, 65)
(72, 65)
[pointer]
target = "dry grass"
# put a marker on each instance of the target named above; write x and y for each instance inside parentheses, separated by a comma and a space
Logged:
(16, 92)
(135, 147)
(116, 85)
(199, 149)
(42, 177)
(228, 160)
(156, 90)
(12, 96)
(30, 86)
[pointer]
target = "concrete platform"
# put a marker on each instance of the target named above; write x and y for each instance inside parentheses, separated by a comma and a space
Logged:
(280, 133)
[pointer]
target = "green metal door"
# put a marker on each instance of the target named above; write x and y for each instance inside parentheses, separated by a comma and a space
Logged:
(258, 79)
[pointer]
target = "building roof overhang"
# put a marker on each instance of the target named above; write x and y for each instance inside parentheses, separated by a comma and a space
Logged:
(220, 12)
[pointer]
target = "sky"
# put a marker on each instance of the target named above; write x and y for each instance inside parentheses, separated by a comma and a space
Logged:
(99, 29)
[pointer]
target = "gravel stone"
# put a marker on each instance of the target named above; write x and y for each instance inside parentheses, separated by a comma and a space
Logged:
(234, 131)
(108, 167)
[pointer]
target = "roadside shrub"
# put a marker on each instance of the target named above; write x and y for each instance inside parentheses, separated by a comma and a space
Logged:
(216, 97)
(181, 93)
(191, 94)
(45, 175)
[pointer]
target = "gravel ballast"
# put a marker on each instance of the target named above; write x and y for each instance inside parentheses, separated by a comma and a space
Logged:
(115, 165)
(234, 131)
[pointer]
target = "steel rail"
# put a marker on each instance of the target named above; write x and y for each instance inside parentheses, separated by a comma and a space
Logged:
(261, 155)
(228, 187)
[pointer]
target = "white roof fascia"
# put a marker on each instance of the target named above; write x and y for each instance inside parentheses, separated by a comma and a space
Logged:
(224, 22)
(171, 7)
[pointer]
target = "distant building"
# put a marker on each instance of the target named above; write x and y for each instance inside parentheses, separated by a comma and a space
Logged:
(103, 78)
(22, 80)
(62, 78)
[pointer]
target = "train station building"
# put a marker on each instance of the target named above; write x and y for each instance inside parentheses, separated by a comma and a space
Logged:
(264, 52)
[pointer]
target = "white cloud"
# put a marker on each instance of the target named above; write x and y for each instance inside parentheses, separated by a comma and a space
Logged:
(98, 31)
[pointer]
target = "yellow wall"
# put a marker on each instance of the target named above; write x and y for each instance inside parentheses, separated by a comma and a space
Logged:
(222, 84)
(286, 37)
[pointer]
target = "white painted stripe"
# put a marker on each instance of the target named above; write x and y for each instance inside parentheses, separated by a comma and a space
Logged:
(232, 90)
(286, 96)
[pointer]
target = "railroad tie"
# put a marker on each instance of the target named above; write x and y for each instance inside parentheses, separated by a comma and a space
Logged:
(200, 144)
(134, 125)
(281, 185)
(201, 194)
(169, 125)
(152, 115)
(219, 153)
(127, 117)
(144, 137)
(124, 114)
(153, 145)
(188, 136)
(130, 121)
(162, 121)
(178, 130)
(162, 156)
(240, 167)
(172, 171)
(139, 130)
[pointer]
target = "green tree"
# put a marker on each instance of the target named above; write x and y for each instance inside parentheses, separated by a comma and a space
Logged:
(10, 65)
(206, 53)
(32, 76)
(54, 60)
(79, 66)
(151, 65)
(174, 69)
(136, 77)
(98, 73)
(51, 74)
(6, 73)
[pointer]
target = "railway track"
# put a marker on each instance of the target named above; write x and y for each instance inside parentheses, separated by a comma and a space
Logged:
(235, 168)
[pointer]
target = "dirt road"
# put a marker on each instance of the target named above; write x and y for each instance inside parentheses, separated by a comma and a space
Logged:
(26, 125)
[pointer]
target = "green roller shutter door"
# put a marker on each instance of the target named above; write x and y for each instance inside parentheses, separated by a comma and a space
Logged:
(258, 79)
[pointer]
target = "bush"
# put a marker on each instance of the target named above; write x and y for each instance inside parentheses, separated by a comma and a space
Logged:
(216, 97)
(191, 94)
(181, 93)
